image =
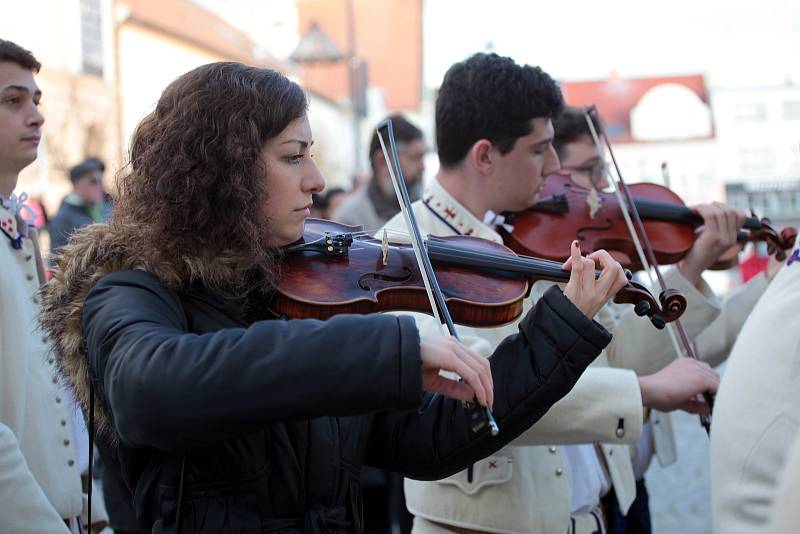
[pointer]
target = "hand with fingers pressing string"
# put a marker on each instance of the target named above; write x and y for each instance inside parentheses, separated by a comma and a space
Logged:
(721, 225)
(586, 291)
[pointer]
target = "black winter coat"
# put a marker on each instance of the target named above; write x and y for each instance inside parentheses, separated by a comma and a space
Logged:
(228, 427)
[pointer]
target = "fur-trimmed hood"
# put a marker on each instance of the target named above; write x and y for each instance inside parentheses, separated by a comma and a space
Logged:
(93, 252)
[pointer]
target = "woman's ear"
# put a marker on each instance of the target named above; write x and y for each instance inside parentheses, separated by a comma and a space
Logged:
(481, 156)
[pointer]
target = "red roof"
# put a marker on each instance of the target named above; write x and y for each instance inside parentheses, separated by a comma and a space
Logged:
(615, 98)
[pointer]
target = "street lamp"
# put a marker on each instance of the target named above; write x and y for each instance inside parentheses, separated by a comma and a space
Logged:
(316, 47)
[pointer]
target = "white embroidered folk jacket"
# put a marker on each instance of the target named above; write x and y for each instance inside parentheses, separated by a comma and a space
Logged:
(522, 488)
(756, 418)
(785, 514)
(31, 403)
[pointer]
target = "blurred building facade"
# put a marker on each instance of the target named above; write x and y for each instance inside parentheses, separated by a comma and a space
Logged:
(105, 64)
(651, 121)
(75, 44)
(380, 65)
(730, 144)
(759, 149)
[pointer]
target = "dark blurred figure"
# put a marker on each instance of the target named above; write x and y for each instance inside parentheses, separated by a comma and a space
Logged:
(333, 199)
(373, 205)
(86, 204)
(319, 206)
(326, 203)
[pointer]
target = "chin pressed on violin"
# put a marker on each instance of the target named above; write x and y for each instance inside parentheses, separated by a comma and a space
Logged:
(335, 269)
(565, 213)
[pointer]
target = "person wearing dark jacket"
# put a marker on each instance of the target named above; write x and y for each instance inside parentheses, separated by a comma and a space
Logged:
(227, 418)
(86, 203)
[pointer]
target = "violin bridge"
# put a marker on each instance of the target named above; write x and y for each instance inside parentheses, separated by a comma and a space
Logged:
(385, 248)
(593, 200)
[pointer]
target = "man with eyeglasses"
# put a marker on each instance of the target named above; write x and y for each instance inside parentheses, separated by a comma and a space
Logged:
(84, 205)
(586, 165)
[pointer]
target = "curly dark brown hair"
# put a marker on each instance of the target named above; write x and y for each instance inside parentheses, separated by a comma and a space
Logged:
(191, 202)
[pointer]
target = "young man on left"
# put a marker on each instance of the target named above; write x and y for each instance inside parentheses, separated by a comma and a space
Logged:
(45, 476)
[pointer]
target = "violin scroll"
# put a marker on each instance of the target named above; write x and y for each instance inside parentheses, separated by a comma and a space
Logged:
(777, 243)
(670, 305)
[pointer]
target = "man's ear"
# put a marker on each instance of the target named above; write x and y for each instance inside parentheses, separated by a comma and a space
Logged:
(481, 156)
(379, 162)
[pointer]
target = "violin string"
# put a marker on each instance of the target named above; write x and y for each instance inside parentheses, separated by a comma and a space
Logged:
(539, 265)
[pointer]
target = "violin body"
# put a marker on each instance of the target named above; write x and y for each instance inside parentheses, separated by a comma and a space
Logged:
(315, 285)
(565, 213)
(336, 269)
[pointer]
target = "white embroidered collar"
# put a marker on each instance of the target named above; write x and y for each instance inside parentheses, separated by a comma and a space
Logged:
(451, 212)
(11, 218)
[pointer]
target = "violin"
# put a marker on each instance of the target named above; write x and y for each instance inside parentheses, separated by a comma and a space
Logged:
(336, 268)
(565, 213)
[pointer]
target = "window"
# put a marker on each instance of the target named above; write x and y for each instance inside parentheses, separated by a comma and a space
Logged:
(756, 160)
(91, 37)
(754, 112)
(791, 109)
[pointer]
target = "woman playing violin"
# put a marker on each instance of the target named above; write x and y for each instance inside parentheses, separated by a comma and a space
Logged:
(495, 143)
(225, 420)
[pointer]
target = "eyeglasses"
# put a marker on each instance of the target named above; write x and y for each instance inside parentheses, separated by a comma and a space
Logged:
(595, 171)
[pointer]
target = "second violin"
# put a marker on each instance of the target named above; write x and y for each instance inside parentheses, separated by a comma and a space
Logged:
(567, 211)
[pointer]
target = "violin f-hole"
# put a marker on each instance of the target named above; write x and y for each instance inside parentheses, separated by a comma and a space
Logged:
(605, 228)
(402, 277)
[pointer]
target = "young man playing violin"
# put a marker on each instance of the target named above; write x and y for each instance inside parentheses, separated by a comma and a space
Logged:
(228, 418)
(585, 163)
(495, 143)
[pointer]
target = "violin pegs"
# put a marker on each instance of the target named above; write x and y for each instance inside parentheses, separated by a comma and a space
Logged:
(658, 321)
(642, 308)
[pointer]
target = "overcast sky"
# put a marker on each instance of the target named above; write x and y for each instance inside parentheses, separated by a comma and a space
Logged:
(734, 42)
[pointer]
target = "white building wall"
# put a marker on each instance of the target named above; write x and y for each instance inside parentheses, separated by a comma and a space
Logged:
(72, 101)
(758, 133)
(149, 61)
(691, 166)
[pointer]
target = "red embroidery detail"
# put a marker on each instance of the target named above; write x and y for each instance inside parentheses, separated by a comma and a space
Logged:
(450, 214)
(492, 465)
(468, 232)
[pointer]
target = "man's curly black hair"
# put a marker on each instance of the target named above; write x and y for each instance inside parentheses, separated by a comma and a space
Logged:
(491, 97)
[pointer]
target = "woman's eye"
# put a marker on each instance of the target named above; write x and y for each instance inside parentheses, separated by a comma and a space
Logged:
(295, 159)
